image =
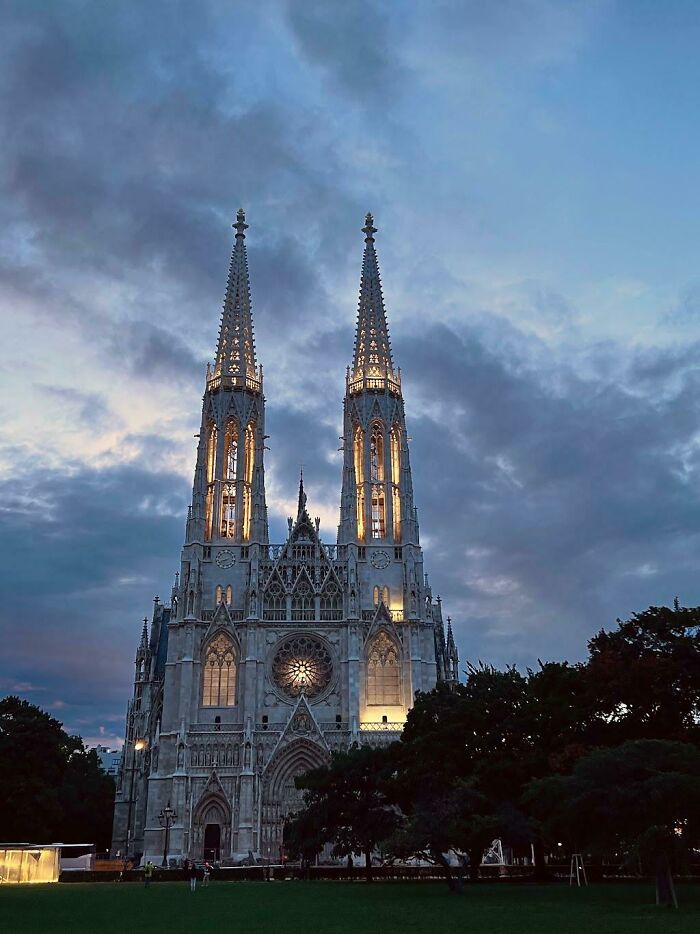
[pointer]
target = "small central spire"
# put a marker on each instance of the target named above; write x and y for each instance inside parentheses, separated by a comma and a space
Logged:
(369, 230)
(240, 226)
(302, 494)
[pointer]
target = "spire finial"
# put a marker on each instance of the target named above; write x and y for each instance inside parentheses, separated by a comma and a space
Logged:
(369, 229)
(240, 226)
(302, 494)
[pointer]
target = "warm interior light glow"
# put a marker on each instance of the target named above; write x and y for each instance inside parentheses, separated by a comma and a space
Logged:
(360, 482)
(140, 744)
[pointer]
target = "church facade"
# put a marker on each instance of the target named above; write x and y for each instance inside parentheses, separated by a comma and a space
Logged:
(270, 656)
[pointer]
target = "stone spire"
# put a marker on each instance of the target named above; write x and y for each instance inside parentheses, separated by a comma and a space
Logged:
(451, 656)
(372, 346)
(235, 354)
(302, 494)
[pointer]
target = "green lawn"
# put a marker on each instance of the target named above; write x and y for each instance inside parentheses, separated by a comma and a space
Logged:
(337, 908)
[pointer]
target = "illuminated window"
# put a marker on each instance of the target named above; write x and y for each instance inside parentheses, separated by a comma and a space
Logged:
(383, 676)
(381, 594)
(248, 478)
(219, 675)
(396, 480)
(376, 454)
(211, 475)
(378, 511)
(219, 595)
(359, 455)
(228, 488)
(229, 595)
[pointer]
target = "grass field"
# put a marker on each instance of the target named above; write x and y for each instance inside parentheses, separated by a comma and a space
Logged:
(340, 908)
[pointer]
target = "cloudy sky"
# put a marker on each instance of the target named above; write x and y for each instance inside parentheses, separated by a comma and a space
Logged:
(532, 168)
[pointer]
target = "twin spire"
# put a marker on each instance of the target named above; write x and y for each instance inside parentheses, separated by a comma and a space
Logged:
(372, 346)
(235, 353)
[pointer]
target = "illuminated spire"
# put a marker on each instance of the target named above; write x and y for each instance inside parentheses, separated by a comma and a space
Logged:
(372, 347)
(235, 354)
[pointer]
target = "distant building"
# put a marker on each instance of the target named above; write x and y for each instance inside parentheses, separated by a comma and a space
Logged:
(110, 760)
(271, 656)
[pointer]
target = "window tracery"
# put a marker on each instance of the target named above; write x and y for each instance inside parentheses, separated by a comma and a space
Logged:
(211, 476)
(228, 491)
(303, 603)
(275, 602)
(248, 479)
(359, 455)
(302, 665)
(396, 481)
(383, 673)
(219, 673)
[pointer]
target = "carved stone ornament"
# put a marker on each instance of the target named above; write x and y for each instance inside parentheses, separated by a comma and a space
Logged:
(302, 665)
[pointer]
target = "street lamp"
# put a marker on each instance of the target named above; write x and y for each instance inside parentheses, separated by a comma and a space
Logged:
(139, 744)
(166, 817)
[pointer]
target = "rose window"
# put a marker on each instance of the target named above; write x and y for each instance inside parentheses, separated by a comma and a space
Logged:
(302, 665)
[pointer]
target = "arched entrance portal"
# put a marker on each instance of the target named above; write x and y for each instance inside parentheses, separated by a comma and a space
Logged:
(211, 829)
(280, 795)
(212, 842)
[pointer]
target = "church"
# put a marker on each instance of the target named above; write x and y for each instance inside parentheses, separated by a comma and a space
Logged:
(271, 656)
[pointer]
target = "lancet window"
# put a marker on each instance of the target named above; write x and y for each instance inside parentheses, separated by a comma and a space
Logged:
(248, 479)
(331, 603)
(396, 481)
(359, 459)
(219, 673)
(275, 604)
(376, 461)
(381, 595)
(303, 602)
(211, 476)
(228, 490)
(383, 673)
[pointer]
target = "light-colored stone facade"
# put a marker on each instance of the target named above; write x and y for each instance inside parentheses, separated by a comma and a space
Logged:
(270, 656)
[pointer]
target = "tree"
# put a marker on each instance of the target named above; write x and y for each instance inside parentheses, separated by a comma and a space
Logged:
(51, 788)
(643, 794)
(646, 675)
(349, 803)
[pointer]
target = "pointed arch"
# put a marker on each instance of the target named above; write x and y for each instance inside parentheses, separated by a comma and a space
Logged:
(212, 435)
(275, 599)
(396, 480)
(359, 458)
(383, 671)
(303, 599)
(248, 478)
(230, 478)
(219, 672)
(376, 453)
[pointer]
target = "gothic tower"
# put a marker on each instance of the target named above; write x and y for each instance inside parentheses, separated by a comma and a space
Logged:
(271, 656)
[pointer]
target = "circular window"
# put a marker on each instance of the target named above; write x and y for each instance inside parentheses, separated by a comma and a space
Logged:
(302, 665)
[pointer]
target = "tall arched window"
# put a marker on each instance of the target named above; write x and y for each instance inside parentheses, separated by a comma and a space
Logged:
(359, 458)
(376, 454)
(383, 675)
(219, 674)
(228, 488)
(303, 603)
(248, 478)
(275, 601)
(211, 475)
(229, 595)
(219, 595)
(376, 464)
(396, 481)
(382, 595)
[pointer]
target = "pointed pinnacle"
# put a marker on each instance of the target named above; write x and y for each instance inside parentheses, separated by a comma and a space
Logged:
(302, 494)
(240, 226)
(369, 229)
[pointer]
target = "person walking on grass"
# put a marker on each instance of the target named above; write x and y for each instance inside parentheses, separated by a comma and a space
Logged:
(191, 870)
(147, 874)
(207, 873)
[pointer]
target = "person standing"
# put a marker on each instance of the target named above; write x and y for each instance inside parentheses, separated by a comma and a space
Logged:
(147, 874)
(207, 873)
(192, 875)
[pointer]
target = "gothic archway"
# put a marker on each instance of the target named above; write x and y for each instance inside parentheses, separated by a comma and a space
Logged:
(280, 795)
(211, 829)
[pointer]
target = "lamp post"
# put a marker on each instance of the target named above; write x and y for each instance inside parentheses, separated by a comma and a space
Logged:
(139, 744)
(166, 817)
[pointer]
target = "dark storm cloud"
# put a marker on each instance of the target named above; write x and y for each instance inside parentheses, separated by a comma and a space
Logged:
(82, 553)
(552, 506)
